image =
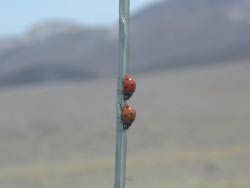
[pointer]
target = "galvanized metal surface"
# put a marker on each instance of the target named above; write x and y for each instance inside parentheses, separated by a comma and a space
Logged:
(121, 135)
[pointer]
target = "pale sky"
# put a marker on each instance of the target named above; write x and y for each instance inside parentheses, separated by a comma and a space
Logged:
(17, 15)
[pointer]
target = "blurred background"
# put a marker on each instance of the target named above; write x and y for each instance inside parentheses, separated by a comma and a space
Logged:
(58, 69)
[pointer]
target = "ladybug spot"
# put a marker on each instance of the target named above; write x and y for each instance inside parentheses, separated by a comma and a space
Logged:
(131, 114)
(131, 85)
(125, 116)
(127, 107)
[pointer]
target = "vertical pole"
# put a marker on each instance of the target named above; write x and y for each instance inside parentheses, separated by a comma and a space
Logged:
(121, 135)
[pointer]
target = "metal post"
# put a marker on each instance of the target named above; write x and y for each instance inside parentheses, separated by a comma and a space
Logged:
(121, 135)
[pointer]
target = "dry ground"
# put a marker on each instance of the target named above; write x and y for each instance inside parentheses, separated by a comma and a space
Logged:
(192, 131)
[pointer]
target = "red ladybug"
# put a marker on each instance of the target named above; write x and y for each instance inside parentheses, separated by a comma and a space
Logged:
(129, 86)
(128, 115)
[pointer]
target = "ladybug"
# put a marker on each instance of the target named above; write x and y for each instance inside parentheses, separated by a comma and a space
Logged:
(128, 116)
(129, 86)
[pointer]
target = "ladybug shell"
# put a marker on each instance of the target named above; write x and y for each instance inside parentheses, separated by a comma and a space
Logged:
(129, 84)
(128, 114)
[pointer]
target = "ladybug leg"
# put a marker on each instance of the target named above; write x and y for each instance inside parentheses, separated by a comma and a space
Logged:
(126, 126)
(127, 95)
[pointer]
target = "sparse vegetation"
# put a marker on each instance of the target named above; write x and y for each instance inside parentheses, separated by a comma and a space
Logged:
(192, 131)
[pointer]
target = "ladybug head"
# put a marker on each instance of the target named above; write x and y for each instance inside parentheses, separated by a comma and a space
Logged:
(128, 115)
(129, 86)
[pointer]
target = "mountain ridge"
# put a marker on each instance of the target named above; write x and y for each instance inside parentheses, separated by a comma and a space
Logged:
(168, 34)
